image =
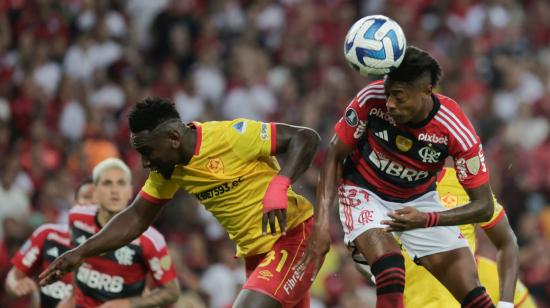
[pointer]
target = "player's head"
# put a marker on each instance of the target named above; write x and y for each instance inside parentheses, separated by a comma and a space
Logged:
(84, 193)
(113, 184)
(156, 131)
(409, 87)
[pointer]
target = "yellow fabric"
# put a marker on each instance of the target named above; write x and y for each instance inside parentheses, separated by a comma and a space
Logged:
(422, 289)
(230, 175)
(452, 195)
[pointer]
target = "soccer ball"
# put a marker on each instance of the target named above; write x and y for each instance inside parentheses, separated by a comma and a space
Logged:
(375, 45)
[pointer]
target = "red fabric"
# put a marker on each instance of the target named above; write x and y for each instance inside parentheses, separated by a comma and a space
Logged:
(401, 173)
(150, 255)
(272, 273)
(276, 196)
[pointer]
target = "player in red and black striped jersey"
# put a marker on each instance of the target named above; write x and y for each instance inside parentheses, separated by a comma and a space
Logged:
(118, 277)
(45, 244)
(389, 145)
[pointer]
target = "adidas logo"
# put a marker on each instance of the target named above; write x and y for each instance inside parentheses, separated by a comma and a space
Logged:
(54, 252)
(81, 239)
(382, 135)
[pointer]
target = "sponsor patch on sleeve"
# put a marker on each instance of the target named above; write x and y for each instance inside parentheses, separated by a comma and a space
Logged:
(351, 117)
(240, 127)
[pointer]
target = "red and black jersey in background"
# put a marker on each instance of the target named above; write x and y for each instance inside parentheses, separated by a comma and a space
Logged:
(45, 244)
(120, 273)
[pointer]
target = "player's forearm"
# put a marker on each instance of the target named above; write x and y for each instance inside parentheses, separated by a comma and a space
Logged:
(300, 153)
(160, 297)
(473, 212)
(119, 231)
(507, 263)
(326, 190)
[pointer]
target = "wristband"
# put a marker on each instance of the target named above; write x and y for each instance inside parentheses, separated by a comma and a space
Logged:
(276, 195)
(502, 304)
(432, 219)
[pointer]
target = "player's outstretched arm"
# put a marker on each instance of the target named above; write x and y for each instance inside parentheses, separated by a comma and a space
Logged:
(162, 296)
(480, 209)
(300, 145)
(19, 284)
(119, 231)
(331, 174)
(504, 239)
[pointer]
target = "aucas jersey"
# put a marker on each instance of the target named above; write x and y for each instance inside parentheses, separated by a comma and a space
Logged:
(421, 288)
(229, 173)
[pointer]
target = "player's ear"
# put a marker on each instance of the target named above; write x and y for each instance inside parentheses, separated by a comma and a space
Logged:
(174, 137)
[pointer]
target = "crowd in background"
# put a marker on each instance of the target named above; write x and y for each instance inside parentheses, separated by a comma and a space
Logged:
(70, 71)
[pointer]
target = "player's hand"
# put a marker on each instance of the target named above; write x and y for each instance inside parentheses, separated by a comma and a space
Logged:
(275, 203)
(63, 264)
(117, 303)
(25, 286)
(317, 247)
(405, 219)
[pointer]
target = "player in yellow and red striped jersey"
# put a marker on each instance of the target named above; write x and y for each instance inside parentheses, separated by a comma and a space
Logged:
(230, 167)
(423, 290)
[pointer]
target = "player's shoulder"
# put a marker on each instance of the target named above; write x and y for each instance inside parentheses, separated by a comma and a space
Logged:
(152, 239)
(46, 229)
(85, 213)
(448, 107)
(451, 119)
(371, 94)
(84, 210)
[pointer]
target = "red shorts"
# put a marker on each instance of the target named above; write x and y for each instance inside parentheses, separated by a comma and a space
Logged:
(271, 273)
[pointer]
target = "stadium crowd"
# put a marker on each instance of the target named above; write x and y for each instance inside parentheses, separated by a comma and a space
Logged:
(70, 71)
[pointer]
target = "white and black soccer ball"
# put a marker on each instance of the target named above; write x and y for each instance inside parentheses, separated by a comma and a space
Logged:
(375, 45)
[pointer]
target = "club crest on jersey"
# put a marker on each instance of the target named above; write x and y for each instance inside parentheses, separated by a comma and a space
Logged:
(449, 200)
(240, 127)
(473, 164)
(351, 117)
(403, 143)
(429, 155)
(125, 255)
(215, 165)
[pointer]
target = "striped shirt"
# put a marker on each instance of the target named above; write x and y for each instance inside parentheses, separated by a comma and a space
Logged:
(400, 161)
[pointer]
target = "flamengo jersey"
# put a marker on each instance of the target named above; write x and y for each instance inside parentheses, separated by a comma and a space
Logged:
(229, 174)
(400, 161)
(46, 243)
(120, 273)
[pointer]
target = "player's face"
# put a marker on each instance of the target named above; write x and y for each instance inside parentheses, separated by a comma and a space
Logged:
(113, 190)
(158, 153)
(404, 101)
(85, 195)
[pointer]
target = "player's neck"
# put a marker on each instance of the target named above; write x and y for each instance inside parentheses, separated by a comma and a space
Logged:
(188, 145)
(103, 216)
(427, 107)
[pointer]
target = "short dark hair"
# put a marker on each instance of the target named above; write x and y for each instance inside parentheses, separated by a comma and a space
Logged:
(416, 64)
(148, 113)
(85, 181)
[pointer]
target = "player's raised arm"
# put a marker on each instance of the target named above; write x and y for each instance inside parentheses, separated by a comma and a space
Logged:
(300, 144)
(331, 175)
(504, 239)
(121, 230)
